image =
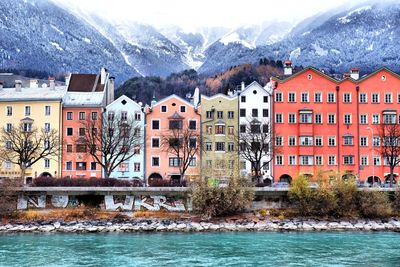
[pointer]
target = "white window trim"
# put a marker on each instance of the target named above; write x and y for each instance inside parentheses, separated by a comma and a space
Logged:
(308, 97)
(295, 97)
(321, 95)
(366, 98)
(159, 161)
(181, 107)
(159, 124)
(350, 97)
(360, 141)
(379, 96)
(295, 160)
(166, 108)
(391, 98)
(151, 144)
(334, 97)
(315, 160)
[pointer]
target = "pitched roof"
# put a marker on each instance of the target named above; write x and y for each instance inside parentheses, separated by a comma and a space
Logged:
(83, 99)
(176, 116)
(32, 94)
(85, 83)
(174, 96)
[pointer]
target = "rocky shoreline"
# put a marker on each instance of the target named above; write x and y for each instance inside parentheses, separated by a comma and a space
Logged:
(168, 225)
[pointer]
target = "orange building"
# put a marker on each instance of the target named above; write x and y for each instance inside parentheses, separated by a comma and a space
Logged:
(162, 119)
(329, 126)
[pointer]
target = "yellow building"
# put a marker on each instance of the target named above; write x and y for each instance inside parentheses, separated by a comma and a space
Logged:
(219, 125)
(40, 106)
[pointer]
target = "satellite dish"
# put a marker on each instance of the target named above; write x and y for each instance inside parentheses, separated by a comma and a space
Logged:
(44, 85)
(140, 103)
(188, 95)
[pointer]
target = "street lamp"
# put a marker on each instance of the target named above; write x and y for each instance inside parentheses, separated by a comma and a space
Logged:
(372, 154)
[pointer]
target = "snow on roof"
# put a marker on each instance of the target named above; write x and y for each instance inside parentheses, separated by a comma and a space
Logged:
(83, 98)
(32, 94)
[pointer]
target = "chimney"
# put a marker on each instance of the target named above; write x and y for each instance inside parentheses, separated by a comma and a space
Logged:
(67, 79)
(242, 86)
(18, 85)
(355, 73)
(110, 90)
(287, 68)
(33, 83)
(52, 83)
(103, 75)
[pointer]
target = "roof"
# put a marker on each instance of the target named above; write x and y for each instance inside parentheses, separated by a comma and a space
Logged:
(32, 94)
(254, 84)
(174, 96)
(228, 97)
(176, 116)
(86, 99)
(85, 83)
(127, 99)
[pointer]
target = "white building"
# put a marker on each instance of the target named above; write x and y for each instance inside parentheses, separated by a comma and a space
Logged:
(255, 109)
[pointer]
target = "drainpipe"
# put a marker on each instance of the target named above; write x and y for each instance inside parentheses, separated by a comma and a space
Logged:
(338, 128)
(144, 146)
(358, 132)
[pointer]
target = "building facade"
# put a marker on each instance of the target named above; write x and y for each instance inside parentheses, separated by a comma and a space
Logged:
(170, 115)
(124, 107)
(255, 109)
(326, 126)
(219, 128)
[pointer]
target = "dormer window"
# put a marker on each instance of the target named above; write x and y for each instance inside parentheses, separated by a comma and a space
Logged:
(175, 124)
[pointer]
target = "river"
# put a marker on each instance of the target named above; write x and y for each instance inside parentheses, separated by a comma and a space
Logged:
(202, 249)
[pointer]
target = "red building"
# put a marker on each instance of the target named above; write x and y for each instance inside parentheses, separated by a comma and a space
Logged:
(328, 126)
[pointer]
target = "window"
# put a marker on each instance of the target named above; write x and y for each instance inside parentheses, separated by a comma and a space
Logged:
(363, 141)
(306, 160)
(278, 140)
(278, 118)
(27, 127)
(8, 127)
(265, 98)
(318, 141)
(219, 129)
(388, 98)
(304, 97)
(163, 109)
(69, 166)
(219, 146)
(124, 115)
(136, 167)
(231, 164)
(82, 131)
(231, 146)
(306, 141)
(363, 119)
(69, 148)
(375, 98)
(318, 160)
(292, 140)
(318, 97)
(375, 119)
(265, 113)
(318, 118)
(69, 116)
(8, 145)
(93, 166)
(292, 97)
(209, 114)
(209, 163)
(348, 160)
(138, 116)
(376, 141)
(279, 160)
(123, 167)
(242, 128)
(94, 116)
(192, 125)
(155, 161)
(363, 98)
(231, 130)
(377, 161)
(231, 114)
(220, 114)
(80, 148)
(305, 117)
(347, 98)
(331, 141)
(155, 125)
(192, 142)
(81, 166)
(110, 115)
(389, 118)
(254, 112)
(364, 161)
(278, 97)
(47, 110)
(292, 160)
(208, 146)
(155, 142)
(46, 163)
(331, 98)
(47, 127)
(242, 112)
(183, 108)
(347, 118)
(27, 110)
(348, 140)
(331, 160)
(9, 111)
(82, 116)
(175, 162)
(243, 99)
(192, 162)
(292, 117)
(398, 98)
(265, 128)
(209, 129)
(242, 165)
(46, 144)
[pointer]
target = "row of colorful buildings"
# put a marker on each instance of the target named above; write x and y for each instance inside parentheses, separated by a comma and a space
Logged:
(320, 125)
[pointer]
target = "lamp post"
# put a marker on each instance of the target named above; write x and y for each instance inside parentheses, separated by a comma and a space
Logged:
(372, 154)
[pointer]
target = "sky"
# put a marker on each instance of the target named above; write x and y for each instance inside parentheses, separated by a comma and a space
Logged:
(190, 14)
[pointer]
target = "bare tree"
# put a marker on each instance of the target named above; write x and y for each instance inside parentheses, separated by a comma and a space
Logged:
(181, 142)
(256, 145)
(389, 149)
(111, 141)
(25, 144)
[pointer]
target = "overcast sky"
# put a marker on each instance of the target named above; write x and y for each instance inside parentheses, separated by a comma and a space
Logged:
(189, 14)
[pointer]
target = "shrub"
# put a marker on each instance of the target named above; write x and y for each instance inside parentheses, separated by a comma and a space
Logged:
(396, 200)
(166, 183)
(8, 197)
(68, 182)
(213, 201)
(346, 198)
(301, 195)
(374, 204)
(323, 201)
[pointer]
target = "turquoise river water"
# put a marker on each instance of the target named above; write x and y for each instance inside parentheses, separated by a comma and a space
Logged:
(202, 249)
